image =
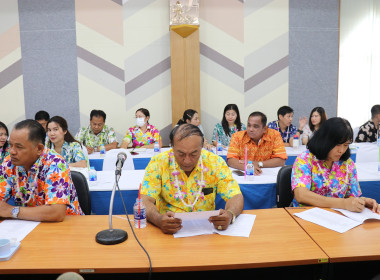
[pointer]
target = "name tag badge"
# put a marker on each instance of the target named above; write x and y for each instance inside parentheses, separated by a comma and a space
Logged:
(207, 191)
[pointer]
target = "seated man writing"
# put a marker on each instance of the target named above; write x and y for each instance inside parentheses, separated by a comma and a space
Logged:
(265, 147)
(97, 133)
(38, 179)
(187, 178)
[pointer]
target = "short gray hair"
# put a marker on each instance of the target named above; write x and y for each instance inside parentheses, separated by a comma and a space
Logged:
(183, 131)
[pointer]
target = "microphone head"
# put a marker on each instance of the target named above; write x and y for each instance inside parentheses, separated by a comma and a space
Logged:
(122, 156)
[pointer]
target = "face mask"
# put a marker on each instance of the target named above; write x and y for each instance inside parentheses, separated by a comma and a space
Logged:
(140, 122)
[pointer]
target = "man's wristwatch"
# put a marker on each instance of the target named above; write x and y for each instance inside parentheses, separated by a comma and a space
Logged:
(233, 216)
(260, 163)
(300, 131)
(15, 212)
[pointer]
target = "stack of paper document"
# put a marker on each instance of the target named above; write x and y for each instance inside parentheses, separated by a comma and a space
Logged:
(335, 221)
(196, 223)
(15, 231)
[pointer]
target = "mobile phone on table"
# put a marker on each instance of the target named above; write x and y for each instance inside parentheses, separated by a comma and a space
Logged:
(238, 172)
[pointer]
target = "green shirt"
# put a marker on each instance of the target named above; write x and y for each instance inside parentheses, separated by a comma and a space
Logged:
(87, 137)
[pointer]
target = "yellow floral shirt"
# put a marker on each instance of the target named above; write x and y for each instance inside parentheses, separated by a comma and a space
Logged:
(159, 183)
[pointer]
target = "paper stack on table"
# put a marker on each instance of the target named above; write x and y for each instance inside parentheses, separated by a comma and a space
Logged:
(196, 223)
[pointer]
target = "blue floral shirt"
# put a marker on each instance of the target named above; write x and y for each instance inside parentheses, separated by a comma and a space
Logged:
(71, 152)
(289, 132)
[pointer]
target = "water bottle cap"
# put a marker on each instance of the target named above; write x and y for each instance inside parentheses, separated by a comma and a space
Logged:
(92, 167)
(295, 136)
(250, 162)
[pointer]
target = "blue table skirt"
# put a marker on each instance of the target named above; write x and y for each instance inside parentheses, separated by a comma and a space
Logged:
(139, 163)
(100, 202)
(371, 189)
(255, 197)
(97, 164)
(142, 163)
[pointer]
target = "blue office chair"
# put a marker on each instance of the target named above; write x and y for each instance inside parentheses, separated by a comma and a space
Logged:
(284, 192)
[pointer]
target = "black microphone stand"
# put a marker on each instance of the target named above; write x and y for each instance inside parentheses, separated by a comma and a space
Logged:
(112, 236)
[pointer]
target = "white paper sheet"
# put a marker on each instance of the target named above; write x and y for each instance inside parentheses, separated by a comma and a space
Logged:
(201, 215)
(241, 227)
(196, 223)
(17, 229)
(328, 219)
(360, 217)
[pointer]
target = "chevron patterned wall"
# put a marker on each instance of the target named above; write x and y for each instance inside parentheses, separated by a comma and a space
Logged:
(123, 59)
(11, 83)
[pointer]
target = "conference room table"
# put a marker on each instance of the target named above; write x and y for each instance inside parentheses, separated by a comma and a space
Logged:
(260, 193)
(358, 244)
(276, 240)
(139, 161)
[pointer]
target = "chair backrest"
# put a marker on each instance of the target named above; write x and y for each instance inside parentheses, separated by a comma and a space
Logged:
(283, 187)
(356, 132)
(83, 192)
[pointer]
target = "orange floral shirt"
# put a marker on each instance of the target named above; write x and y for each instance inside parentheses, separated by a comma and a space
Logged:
(270, 146)
(47, 182)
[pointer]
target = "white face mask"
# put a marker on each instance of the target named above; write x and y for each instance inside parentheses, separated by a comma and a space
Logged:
(140, 122)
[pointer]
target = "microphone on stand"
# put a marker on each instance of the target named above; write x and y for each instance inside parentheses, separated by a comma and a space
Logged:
(121, 157)
(113, 236)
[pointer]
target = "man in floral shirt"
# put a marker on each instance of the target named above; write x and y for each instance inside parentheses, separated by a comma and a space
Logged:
(97, 133)
(38, 179)
(368, 131)
(187, 179)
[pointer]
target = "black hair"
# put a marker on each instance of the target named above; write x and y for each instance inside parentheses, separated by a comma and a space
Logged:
(184, 131)
(37, 133)
(42, 115)
(225, 125)
(2, 125)
(375, 110)
(283, 111)
(261, 115)
(187, 115)
(63, 124)
(144, 111)
(322, 113)
(98, 113)
(333, 132)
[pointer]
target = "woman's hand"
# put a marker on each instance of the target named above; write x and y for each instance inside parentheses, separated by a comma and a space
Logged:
(371, 204)
(354, 204)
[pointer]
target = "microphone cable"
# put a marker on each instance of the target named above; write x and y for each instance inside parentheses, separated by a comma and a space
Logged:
(133, 231)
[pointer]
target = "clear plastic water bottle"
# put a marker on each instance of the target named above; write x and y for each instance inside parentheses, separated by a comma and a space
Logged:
(296, 142)
(102, 150)
(219, 148)
(139, 212)
(156, 149)
(250, 171)
(93, 176)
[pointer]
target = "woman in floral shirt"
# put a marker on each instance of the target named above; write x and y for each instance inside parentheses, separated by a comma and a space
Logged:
(228, 126)
(61, 140)
(4, 146)
(143, 134)
(325, 175)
